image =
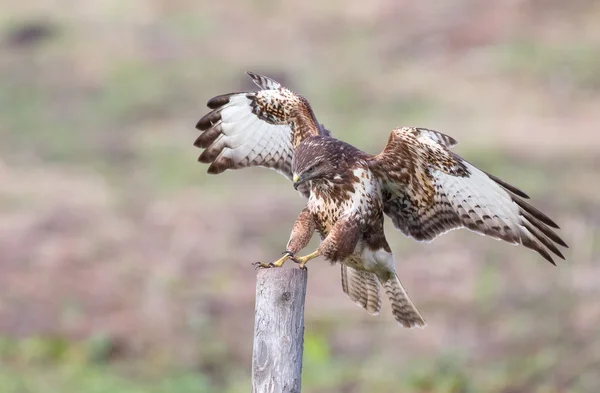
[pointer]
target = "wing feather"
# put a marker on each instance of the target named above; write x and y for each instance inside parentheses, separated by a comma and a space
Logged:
(428, 190)
(259, 128)
(507, 186)
(438, 137)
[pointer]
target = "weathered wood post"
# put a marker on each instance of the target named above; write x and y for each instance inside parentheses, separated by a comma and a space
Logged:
(278, 330)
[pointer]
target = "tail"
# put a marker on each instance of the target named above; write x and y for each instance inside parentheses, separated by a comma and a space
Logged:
(403, 308)
(362, 288)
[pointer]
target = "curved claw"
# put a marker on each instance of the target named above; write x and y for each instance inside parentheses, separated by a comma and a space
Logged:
(262, 265)
(278, 263)
(301, 261)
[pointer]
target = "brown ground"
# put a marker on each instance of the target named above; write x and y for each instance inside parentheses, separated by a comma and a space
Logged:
(117, 248)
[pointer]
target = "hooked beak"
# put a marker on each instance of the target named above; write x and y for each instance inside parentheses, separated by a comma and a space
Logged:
(296, 180)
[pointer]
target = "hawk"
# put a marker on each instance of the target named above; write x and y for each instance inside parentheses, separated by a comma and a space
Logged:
(417, 181)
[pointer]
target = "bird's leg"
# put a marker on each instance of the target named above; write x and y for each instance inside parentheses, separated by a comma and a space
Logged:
(278, 263)
(301, 261)
(304, 227)
(338, 245)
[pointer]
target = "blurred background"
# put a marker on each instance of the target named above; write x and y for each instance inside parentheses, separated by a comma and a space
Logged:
(125, 268)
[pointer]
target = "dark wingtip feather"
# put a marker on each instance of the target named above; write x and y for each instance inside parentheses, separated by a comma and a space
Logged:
(533, 244)
(208, 120)
(207, 137)
(212, 170)
(221, 164)
(209, 155)
(560, 241)
(535, 213)
(507, 186)
(219, 101)
(544, 240)
(544, 229)
(201, 142)
(204, 160)
(546, 256)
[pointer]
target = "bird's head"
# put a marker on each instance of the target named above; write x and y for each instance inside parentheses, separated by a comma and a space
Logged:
(313, 161)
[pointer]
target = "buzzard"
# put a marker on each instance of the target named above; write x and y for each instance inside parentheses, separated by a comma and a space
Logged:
(417, 181)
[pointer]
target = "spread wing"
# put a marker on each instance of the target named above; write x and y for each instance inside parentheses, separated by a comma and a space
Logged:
(256, 128)
(429, 190)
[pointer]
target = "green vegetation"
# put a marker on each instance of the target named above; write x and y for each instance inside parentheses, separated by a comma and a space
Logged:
(125, 268)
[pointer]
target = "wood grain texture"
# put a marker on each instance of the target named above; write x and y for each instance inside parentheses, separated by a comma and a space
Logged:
(278, 330)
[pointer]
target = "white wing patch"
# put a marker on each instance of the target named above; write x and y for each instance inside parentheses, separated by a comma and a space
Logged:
(481, 203)
(260, 128)
(245, 140)
(483, 206)
(428, 191)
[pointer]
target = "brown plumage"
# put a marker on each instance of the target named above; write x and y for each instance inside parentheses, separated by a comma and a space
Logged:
(425, 189)
(256, 129)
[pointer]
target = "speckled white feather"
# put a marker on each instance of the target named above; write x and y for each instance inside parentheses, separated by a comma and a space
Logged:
(246, 138)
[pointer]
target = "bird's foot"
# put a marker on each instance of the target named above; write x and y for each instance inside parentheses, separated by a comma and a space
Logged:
(262, 265)
(278, 263)
(301, 261)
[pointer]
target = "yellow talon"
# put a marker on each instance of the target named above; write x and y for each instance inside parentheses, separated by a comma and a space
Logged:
(277, 263)
(281, 261)
(301, 261)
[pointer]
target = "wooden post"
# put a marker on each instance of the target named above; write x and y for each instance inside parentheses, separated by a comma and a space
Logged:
(278, 330)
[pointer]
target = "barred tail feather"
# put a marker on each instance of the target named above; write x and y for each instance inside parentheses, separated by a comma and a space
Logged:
(362, 288)
(403, 308)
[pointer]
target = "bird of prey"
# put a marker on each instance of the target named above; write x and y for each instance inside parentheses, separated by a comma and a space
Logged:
(417, 181)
